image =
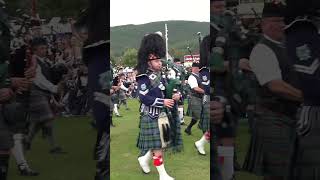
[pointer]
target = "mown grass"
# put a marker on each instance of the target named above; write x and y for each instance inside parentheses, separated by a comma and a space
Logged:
(77, 138)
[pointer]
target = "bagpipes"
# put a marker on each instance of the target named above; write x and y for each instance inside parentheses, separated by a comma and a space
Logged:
(170, 127)
(57, 73)
(172, 83)
(230, 33)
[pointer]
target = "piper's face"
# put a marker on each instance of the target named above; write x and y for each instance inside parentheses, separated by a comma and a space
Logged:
(274, 27)
(195, 69)
(217, 7)
(155, 64)
(41, 50)
(84, 35)
(36, 32)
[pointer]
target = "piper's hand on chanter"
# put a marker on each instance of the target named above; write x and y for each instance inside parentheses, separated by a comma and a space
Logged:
(216, 111)
(244, 64)
(20, 84)
(176, 96)
(5, 94)
(168, 103)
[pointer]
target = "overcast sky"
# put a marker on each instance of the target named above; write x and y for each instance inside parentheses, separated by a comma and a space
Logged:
(144, 11)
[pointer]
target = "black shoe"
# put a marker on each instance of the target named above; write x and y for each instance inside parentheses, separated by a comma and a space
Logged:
(99, 177)
(236, 166)
(27, 171)
(118, 115)
(26, 145)
(188, 131)
(57, 150)
(93, 124)
(182, 123)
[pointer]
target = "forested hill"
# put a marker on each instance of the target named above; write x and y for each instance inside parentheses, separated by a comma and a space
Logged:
(180, 33)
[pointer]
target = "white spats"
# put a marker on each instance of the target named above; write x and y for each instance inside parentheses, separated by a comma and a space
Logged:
(200, 145)
(17, 151)
(163, 175)
(115, 109)
(225, 155)
(180, 110)
(144, 162)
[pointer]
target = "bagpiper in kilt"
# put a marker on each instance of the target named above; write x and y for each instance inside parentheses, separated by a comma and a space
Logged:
(115, 95)
(43, 87)
(97, 57)
(149, 136)
(204, 74)
(303, 45)
(273, 134)
(224, 51)
(196, 95)
(10, 121)
(154, 135)
(204, 123)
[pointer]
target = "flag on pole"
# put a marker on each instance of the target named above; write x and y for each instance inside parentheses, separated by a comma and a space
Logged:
(33, 9)
(166, 36)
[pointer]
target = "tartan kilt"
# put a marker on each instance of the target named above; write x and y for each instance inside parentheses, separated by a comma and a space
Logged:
(307, 164)
(188, 113)
(39, 107)
(271, 146)
(204, 123)
(149, 134)
(195, 107)
(115, 98)
(122, 96)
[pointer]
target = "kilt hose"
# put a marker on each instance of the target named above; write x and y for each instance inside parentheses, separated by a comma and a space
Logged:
(271, 146)
(307, 160)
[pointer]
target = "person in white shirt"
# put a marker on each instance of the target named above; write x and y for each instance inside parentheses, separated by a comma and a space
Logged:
(196, 95)
(40, 112)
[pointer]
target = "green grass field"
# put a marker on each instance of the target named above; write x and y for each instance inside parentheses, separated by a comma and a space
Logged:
(76, 137)
(187, 165)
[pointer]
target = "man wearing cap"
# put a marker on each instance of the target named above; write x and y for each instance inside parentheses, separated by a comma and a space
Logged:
(303, 43)
(196, 96)
(278, 99)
